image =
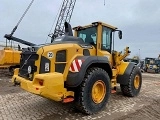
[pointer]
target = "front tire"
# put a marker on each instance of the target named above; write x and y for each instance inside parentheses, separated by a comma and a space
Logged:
(134, 84)
(94, 91)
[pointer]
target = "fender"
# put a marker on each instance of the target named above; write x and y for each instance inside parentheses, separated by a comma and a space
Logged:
(75, 78)
(123, 79)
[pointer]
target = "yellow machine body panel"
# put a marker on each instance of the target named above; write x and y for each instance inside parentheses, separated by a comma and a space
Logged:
(122, 68)
(9, 57)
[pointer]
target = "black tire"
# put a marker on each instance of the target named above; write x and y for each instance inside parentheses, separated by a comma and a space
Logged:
(130, 90)
(83, 96)
(156, 71)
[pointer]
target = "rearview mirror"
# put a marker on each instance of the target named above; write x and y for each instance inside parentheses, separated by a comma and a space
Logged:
(120, 34)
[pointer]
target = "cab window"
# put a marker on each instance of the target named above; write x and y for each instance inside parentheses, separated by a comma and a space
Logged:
(89, 35)
(106, 39)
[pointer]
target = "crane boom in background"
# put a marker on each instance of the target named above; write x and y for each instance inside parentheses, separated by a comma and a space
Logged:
(64, 16)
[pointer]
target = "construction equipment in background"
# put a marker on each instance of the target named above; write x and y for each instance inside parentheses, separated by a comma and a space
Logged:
(10, 57)
(147, 61)
(83, 68)
(154, 66)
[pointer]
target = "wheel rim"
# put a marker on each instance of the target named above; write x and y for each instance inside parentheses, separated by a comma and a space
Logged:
(98, 91)
(136, 81)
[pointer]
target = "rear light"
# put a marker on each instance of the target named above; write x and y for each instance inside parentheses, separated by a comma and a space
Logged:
(41, 82)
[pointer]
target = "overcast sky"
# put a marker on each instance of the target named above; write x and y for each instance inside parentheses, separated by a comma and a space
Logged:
(138, 19)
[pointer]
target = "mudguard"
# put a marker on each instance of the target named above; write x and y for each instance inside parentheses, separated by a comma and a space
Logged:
(123, 79)
(75, 78)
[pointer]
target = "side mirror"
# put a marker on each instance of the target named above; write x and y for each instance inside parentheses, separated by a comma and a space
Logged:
(120, 34)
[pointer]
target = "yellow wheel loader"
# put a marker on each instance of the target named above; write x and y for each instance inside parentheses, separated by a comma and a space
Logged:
(154, 66)
(83, 68)
(149, 64)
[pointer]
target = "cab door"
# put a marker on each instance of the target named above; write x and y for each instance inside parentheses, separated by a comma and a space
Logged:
(104, 42)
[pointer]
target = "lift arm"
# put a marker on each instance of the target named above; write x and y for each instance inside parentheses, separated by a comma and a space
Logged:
(118, 56)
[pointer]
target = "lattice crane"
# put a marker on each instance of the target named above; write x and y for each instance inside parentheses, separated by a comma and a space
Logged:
(64, 16)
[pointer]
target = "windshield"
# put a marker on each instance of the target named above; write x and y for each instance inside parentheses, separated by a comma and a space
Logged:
(89, 35)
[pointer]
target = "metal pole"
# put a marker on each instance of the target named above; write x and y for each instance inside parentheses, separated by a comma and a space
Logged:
(139, 54)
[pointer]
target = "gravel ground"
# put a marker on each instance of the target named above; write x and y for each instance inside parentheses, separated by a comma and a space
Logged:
(17, 104)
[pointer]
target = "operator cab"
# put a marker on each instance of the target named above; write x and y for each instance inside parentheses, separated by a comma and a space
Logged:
(98, 34)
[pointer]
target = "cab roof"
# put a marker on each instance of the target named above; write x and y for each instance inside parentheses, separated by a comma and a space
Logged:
(96, 23)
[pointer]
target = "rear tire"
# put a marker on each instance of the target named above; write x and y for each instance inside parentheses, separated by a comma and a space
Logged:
(93, 93)
(134, 84)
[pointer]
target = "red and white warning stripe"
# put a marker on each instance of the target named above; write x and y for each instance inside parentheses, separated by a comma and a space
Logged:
(76, 65)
